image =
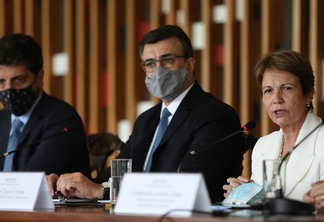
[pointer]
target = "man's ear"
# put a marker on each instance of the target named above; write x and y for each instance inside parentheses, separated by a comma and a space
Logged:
(40, 78)
(190, 65)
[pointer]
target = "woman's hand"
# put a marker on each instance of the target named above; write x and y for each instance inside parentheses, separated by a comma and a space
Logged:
(316, 195)
(233, 183)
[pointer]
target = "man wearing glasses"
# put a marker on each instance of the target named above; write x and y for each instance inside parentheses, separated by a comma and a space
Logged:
(187, 119)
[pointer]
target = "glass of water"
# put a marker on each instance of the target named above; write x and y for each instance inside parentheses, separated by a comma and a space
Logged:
(118, 168)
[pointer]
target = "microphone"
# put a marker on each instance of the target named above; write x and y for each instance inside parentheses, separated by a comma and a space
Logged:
(64, 131)
(282, 205)
(248, 126)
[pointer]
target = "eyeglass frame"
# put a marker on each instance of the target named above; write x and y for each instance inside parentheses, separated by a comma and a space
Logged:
(164, 57)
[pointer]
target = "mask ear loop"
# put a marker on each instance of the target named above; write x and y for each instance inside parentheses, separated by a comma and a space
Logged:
(187, 67)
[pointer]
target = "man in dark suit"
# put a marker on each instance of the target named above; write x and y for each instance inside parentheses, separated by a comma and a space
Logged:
(195, 120)
(40, 115)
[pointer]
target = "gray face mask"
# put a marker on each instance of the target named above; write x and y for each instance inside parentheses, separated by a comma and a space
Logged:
(166, 84)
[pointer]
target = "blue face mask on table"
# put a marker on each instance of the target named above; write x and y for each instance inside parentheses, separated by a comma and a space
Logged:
(248, 193)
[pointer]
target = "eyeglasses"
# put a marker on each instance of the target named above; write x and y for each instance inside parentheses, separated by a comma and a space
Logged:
(167, 62)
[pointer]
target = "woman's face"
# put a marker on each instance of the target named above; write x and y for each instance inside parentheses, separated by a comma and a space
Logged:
(283, 98)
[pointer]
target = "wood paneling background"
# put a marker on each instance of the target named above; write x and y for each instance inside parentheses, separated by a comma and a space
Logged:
(104, 80)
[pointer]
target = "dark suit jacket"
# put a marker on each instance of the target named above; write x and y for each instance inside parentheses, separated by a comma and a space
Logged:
(61, 154)
(199, 120)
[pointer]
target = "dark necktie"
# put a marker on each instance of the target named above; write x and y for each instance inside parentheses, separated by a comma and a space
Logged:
(12, 144)
(162, 127)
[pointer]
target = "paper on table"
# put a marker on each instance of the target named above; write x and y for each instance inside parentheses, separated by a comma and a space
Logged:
(24, 191)
(158, 193)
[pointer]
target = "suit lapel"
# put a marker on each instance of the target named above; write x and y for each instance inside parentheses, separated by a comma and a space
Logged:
(272, 152)
(297, 166)
(180, 116)
(302, 157)
(4, 135)
(187, 104)
(149, 123)
(35, 117)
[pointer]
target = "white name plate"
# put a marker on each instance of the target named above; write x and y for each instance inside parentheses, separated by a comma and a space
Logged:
(24, 191)
(159, 193)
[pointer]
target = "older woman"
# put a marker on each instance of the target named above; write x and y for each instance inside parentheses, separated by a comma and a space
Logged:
(287, 86)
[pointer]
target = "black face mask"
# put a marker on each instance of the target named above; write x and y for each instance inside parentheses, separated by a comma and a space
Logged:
(18, 101)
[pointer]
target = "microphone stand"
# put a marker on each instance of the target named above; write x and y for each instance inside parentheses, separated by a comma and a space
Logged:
(65, 130)
(282, 205)
(194, 152)
(288, 207)
(250, 125)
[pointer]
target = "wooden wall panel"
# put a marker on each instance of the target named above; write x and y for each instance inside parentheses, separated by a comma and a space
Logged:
(32, 18)
(94, 70)
(131, 55)
(271, 36)
(155, 14)
(112, 63)
(206, 53)
(69, 49)
(134, 81)
(210, 60)
(81, 16)
(3, 18)
(249, 98)
(316, 51)
(250, 35)
(231, 60)
(46, 42)
(104, 80)
(300, 23)
(116, 64)
(19, 15)
(185, 7)
(171, 16)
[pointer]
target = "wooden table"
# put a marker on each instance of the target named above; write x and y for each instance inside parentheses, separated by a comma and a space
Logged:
(93, 214)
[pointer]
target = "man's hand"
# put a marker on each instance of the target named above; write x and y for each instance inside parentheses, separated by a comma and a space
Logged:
(51, 181)
(78, 185)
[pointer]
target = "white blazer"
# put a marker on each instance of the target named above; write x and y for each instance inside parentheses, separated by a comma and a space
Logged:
(306, 163)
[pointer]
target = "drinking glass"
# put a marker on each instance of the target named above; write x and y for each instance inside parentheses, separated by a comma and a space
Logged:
(271, 178)
(118, 168)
